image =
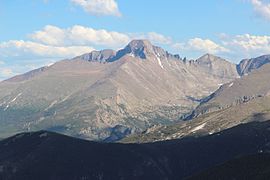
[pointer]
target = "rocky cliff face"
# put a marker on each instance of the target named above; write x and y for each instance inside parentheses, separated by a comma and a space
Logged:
(98, 56)
(217, 66)
(248, 65)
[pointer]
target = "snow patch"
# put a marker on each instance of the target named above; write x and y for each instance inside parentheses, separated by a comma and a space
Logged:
(3, 103)
(131, 55)
(198, 127)
(159, 62)
(51, 105)
(40, 119)
(14, 99)
(230, 85)
(43, 135)
(6, 107)
(50, 64)
(65, 98)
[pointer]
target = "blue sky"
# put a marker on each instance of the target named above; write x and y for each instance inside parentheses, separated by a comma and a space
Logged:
(34, 33)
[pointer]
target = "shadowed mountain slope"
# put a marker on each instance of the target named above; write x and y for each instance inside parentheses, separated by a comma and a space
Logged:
(255, 166)
(45, 155)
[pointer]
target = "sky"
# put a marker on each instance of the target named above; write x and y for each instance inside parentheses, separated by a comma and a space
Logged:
(35, 33)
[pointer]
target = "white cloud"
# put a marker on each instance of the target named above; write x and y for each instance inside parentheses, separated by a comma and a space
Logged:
(153, 37)
(20, 48)
(84, 35)
(79, 35)
(201, 45)
(158, 38)
(87, 36)
(99, 7)
(54, 43)
(236, 47)
(248, 45)
(261, 8)
(50, 35)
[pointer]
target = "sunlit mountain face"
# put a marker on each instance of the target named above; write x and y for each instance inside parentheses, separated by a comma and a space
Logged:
(106, 95)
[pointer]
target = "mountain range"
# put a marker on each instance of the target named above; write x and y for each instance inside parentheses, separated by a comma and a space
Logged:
(151, 114)
(107, 95)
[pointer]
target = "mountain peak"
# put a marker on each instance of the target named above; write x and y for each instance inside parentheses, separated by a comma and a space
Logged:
(218, 66)
(136, 48)
(140, 43)
(209, 57)
(139, 48)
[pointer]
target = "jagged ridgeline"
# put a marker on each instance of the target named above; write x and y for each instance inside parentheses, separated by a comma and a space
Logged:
(106, 95)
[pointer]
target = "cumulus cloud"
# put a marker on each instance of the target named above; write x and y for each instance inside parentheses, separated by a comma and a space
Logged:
(99, 7)
(50, 35)
(87, 36)
(201, 45)
(15, 48)
(158, 38)
(236, 47)
(79, 35)
(154, 37)
(261, 8)
(248, 45)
